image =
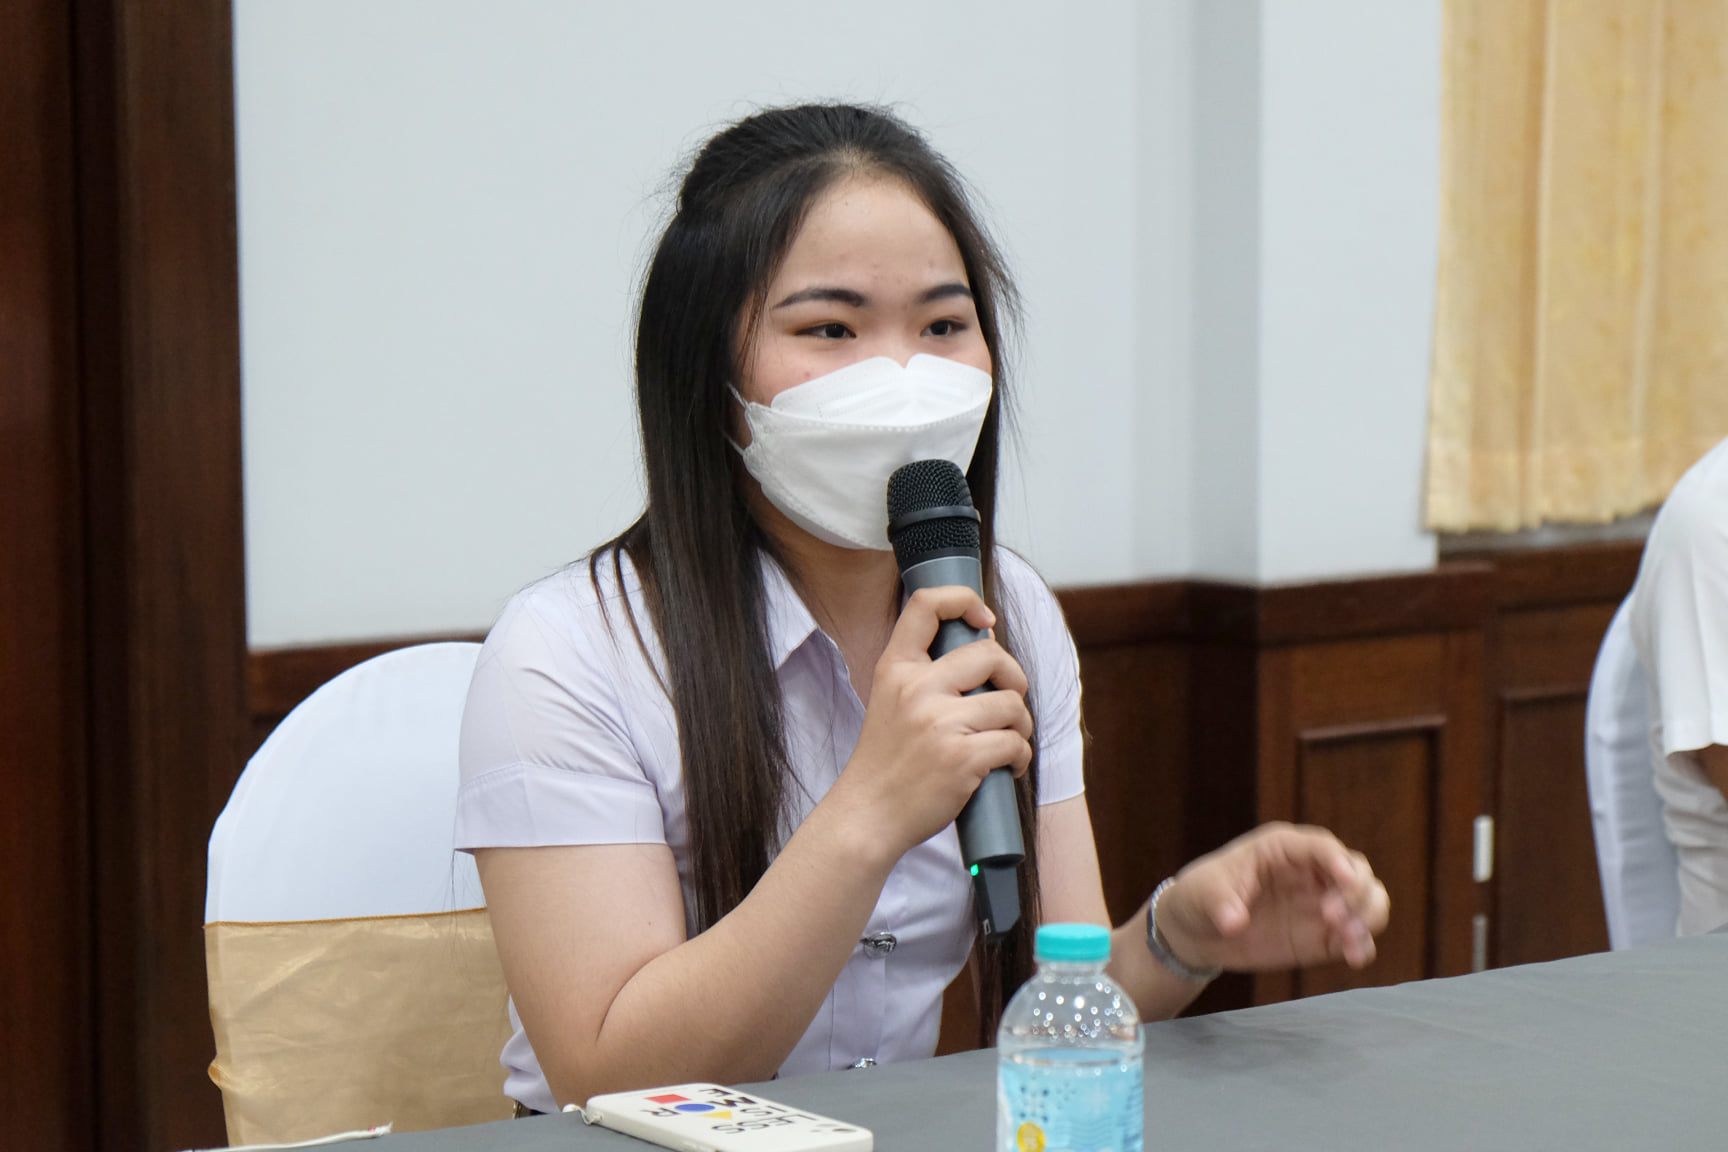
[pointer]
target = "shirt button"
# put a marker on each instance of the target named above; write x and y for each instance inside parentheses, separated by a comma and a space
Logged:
(879, 944)
(864, 1062)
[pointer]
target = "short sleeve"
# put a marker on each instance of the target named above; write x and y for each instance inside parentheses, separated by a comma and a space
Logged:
(1046, 651)
(1680, 609)
(547, 755)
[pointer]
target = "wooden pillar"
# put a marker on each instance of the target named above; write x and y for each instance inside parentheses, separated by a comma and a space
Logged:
(122, 613)
(159, 306)
(46, 1056)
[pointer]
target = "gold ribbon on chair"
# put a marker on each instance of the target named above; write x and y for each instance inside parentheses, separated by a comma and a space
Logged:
(328, 1025)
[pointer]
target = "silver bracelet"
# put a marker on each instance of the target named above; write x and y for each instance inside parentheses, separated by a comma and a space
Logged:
(1160, 947)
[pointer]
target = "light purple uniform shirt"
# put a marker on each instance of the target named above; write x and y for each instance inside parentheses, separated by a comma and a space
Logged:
(568, 738)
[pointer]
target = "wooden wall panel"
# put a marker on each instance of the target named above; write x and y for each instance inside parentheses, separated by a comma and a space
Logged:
(1223, 751)
(1554, 577)
(46, 1056)
(122, 629)
(1458, 898)
(1548, 901)
(1368, 681)
(1223, 789)
(1148, 728)
(1376, 786)
(1554, 606)
(1136, 711)
(158, 299)
(1551, 649)
(1380, 740)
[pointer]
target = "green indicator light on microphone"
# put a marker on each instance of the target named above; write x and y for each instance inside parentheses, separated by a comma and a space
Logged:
(974, 869)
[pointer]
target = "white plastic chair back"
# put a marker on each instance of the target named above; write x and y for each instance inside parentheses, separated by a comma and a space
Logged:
(1640, 873)
(349, 808)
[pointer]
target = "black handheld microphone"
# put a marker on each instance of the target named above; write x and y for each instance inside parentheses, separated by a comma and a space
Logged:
(934, 530)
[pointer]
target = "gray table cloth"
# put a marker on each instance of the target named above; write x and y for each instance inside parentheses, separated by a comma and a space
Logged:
(1624, 1050)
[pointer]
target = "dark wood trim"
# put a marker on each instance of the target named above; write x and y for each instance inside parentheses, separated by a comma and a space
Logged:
(1112, 615)
(1334, 733)
(1454, 595)
(126, 623)
(160, 383)
(1461, 592)
(1553, 577)
(1543, 693)
(47, 1054)
(279, 678)
(1450, 596)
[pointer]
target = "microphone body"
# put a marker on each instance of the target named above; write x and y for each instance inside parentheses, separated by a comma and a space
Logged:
(937, 545)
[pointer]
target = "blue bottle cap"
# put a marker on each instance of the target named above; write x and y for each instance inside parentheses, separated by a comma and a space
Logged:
(1072, 943)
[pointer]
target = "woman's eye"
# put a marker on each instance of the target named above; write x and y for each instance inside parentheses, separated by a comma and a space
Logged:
(944, 328)
(831, 331)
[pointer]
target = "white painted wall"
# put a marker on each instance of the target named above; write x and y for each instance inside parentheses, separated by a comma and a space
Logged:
(1163, 340)
(1225, 277)
(445, 204)
(1316, 170)
(1349, 209)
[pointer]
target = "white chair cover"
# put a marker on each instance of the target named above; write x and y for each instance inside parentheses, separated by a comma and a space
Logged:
(349, 808)
(1640, 873)
(353, 977)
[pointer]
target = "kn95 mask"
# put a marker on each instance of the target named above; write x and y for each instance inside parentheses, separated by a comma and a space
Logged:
(823, 450)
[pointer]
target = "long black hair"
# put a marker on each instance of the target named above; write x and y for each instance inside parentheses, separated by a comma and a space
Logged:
(697, 548)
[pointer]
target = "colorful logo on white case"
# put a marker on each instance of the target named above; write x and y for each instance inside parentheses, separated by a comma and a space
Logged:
(690, 1107)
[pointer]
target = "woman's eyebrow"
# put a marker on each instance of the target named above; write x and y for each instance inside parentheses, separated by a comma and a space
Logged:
(828, 295)
(854, 299)
(944, 292)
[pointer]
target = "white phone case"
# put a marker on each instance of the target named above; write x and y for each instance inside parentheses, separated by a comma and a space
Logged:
(711, 1118)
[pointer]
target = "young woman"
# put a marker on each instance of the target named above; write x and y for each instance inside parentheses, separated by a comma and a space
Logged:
(710, 777)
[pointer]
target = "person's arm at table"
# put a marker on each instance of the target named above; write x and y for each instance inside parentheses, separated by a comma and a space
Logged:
(592, 937)
(1280, 896)
(593, 946)
(1070, 890)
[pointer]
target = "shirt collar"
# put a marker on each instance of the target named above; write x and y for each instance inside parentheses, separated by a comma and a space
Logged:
(790, 623)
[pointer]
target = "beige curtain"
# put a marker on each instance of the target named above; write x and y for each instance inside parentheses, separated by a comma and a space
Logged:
(1581, 330)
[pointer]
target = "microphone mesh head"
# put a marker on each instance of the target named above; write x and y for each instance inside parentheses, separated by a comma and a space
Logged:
(929, 484)
(926, 484)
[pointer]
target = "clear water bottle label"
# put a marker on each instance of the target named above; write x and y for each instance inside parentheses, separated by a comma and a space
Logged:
(1059, 1100)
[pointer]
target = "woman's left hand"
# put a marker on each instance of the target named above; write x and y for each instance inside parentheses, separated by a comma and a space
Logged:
(1281, 896)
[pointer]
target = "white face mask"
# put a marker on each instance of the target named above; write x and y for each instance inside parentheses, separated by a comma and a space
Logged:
(824, 449)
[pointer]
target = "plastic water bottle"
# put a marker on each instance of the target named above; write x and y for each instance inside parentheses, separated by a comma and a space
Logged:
(1068, 1064)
